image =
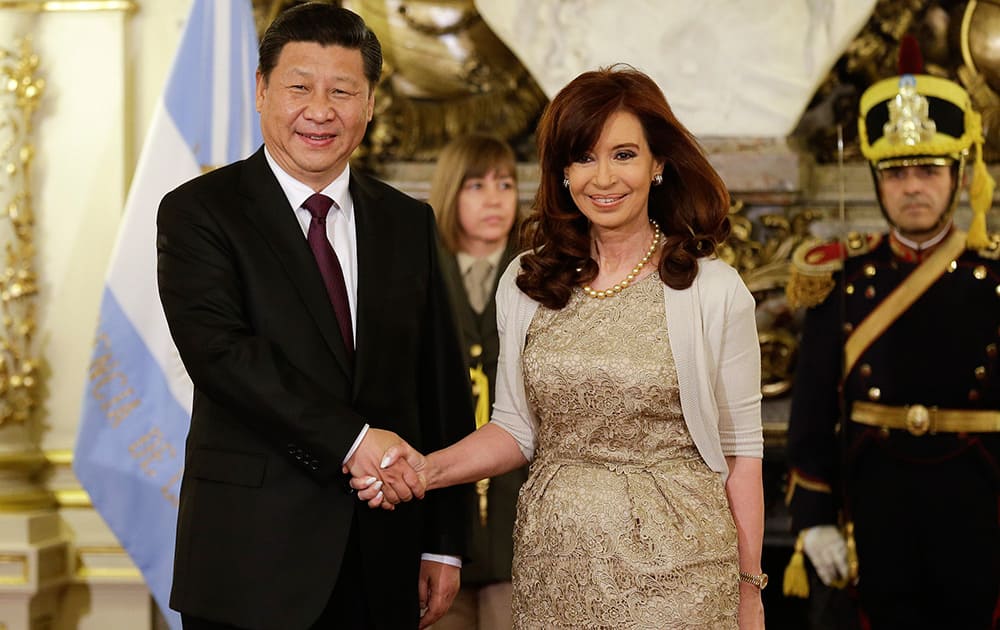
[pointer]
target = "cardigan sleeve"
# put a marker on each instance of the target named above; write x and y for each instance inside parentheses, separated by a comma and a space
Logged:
(510, 408)
(737, 379)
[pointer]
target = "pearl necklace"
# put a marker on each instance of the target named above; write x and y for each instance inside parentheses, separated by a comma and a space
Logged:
(632, 274)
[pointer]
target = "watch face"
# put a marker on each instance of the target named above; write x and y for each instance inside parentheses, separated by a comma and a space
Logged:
(760, 581)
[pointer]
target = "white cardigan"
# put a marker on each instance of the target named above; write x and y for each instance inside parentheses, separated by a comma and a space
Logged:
(713, 336)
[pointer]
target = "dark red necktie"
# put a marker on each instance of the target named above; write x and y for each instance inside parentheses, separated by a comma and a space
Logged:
(326, 259)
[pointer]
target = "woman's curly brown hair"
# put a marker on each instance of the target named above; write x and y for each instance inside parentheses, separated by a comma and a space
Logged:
(691, 206)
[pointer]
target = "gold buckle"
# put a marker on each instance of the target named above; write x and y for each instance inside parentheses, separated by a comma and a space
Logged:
(918, 420)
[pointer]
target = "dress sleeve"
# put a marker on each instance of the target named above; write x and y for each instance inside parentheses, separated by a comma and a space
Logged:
(510, 410)
(737, 383)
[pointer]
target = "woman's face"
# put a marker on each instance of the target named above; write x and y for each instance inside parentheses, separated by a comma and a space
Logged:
(487, 207)
(610, 183)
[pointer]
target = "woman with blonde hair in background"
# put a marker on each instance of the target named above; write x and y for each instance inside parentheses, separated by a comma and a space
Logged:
(474, 196)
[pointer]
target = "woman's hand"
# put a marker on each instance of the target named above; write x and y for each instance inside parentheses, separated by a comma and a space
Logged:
(401, 465)
(751, 611)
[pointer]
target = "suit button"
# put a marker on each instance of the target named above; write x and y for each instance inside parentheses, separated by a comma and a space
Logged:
(291, 448)
(475, 351)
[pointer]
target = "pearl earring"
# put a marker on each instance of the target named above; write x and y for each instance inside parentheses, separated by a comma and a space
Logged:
(657, 179)
(565, 182)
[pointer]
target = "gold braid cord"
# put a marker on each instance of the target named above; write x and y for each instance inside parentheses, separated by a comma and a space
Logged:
(20, 378)
(808, 290)
(798, 480)
(481, 394)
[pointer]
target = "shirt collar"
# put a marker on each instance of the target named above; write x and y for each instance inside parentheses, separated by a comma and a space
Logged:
(296, 192)
(465, 260)
(911, 251)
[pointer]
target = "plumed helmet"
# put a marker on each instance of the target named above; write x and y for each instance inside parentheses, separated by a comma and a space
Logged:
(915, 119)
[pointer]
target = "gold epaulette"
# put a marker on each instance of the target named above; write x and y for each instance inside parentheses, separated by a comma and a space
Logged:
(814, 263)
(991, 251)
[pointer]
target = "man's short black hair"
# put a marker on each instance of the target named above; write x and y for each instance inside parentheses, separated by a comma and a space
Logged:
(324, 24)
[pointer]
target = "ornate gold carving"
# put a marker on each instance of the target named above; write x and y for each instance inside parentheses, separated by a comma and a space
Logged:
(51, 6)
(446, 75)
(958, 42)
(980, 72)
(872, 56)
(761, 250)
(21, 387)
(777, 351)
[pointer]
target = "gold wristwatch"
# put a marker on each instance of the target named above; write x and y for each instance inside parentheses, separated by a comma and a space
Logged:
(760, 581)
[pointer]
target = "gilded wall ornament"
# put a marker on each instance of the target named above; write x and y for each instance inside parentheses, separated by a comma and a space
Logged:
(760, 248)
(20, 364)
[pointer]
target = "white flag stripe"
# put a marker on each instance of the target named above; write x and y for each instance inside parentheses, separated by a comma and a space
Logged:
(221, 81)
(134, 284)
(248, 59)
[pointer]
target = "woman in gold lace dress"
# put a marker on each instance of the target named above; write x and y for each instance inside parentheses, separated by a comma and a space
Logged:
(629, 377)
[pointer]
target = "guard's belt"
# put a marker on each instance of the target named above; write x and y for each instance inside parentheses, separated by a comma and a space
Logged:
(918, 419)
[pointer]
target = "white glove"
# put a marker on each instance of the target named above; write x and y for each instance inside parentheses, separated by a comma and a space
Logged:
(826, 549)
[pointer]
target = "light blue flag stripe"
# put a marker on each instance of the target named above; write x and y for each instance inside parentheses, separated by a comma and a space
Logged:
(189, 95)
(243, 52)
(126, 385)
(128, 408)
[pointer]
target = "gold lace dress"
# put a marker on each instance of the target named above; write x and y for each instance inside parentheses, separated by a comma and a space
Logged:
(621, 524)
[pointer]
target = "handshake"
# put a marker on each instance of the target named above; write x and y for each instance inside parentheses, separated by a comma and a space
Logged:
(386, 470)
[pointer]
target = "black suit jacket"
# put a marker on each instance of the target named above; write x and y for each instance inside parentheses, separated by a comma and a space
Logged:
(264, 507)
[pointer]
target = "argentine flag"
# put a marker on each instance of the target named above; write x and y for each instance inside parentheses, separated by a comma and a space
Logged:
(137, 399)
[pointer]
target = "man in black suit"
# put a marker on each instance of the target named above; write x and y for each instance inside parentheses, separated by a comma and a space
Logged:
(314, 342)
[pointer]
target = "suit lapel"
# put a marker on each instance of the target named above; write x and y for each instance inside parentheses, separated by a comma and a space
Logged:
(267, 209)
(465, 317)
(372, 265)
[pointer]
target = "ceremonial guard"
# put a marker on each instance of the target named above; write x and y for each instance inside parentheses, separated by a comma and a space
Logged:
(894, 433)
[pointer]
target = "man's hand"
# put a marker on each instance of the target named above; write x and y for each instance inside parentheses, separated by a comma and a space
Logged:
(399, 461)
(393, 483)
(437, 588)
(826, 549)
